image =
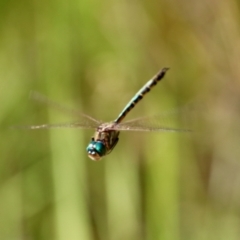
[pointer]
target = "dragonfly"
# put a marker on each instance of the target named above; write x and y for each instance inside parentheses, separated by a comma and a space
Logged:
(106, 134)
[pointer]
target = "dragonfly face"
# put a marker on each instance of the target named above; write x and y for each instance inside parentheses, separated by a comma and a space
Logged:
(103, 142)
(96, 150)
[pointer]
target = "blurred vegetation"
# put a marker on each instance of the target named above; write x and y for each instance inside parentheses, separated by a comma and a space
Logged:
(93, 56)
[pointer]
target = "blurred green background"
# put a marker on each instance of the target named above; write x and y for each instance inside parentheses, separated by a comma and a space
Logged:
(93, 56)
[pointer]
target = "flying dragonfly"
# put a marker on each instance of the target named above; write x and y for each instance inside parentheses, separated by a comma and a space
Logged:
(106, 134)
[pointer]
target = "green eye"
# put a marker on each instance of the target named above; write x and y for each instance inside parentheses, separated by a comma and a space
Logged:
(100, 148)
(96, 147)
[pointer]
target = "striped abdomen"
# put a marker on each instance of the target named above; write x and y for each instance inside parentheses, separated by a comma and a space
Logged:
(140, 94)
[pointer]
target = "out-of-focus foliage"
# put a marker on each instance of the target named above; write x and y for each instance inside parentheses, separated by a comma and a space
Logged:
(93, 56)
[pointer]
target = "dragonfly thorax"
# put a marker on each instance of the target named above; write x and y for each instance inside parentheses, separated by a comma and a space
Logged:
(103, 142)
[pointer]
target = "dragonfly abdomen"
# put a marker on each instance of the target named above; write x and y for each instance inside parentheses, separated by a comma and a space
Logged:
(140, 94)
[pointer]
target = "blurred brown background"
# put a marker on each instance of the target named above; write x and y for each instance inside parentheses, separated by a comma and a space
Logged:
(93, 56)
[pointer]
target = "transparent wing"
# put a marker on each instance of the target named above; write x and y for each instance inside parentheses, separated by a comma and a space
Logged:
(83, 118)
(77, 124)
(172, 121)
(84, 121)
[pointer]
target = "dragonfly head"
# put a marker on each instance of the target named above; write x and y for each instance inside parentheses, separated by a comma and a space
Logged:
(96, 150)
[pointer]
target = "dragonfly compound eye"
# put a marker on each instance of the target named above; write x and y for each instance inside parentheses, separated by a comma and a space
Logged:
(96, 150)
